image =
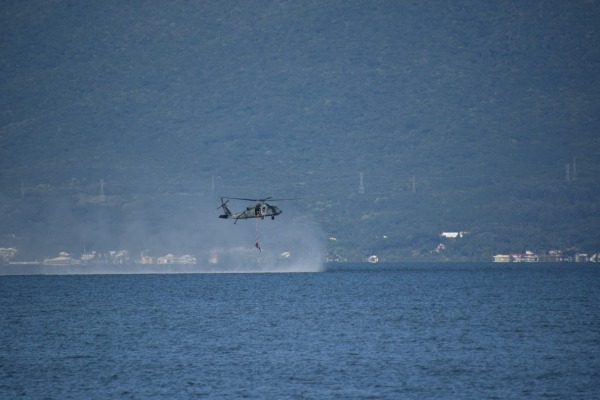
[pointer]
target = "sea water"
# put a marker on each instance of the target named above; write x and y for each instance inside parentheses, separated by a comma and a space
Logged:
(384, 331)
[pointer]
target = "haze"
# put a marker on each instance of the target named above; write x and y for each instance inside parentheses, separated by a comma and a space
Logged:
(458, 116)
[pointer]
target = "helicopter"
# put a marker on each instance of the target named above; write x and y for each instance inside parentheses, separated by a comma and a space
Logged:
(260, 209)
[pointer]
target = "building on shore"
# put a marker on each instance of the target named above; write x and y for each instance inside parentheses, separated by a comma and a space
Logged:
(528, 256)
(63, 258)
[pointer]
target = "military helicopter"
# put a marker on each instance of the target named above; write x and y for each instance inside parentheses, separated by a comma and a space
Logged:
(260, 209)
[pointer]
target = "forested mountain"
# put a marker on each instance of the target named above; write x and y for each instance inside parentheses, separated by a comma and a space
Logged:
(459, 115)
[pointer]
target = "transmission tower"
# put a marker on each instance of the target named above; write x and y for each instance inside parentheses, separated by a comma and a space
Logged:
(101, 189)
(361, 186)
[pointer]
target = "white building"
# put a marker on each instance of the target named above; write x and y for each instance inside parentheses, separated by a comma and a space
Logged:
(453, 235)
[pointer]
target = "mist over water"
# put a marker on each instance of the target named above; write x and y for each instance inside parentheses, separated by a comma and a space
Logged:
(287, 243)
(286, 247)
(179, 225)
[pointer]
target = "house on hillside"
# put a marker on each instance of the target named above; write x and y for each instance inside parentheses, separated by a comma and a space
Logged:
(453, 235)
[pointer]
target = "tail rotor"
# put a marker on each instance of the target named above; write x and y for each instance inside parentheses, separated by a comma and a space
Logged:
(225, 208)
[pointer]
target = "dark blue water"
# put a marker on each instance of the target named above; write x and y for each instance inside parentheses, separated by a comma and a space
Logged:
(354, 331)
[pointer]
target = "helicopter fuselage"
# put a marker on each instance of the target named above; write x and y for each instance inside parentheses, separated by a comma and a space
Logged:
(258, 210)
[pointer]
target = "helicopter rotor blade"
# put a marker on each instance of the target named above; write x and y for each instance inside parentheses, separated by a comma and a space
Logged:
(263, 200)
(295, 198)
(240, 198)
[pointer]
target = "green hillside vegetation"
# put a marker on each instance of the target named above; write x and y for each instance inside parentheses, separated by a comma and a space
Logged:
(460, 116)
